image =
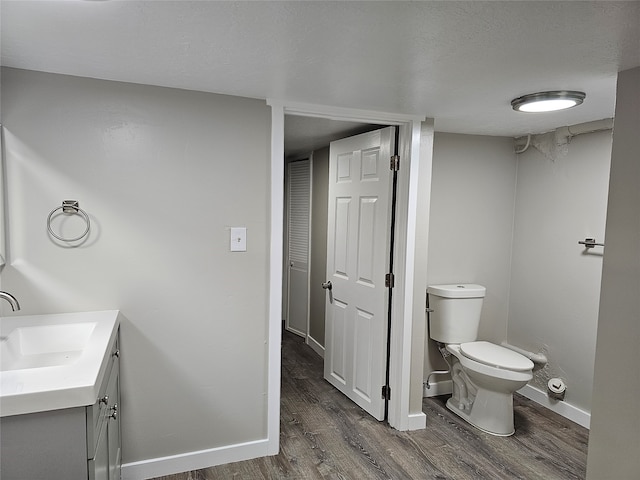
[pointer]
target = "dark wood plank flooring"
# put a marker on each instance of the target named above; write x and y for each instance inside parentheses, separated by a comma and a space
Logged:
(325, 436)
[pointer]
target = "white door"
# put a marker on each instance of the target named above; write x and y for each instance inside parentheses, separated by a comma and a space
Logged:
(357, 261)
(298, 215)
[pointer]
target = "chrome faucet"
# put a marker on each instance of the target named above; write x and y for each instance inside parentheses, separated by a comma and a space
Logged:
(11, 299)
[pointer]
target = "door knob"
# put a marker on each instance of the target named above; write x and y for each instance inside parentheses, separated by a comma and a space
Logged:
(328, 286)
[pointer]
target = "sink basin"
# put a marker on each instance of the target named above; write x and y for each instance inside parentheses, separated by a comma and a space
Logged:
(44, 346)
(50, 362)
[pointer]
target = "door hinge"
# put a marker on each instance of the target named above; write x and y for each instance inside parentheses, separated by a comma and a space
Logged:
(394, 165)
(389, 280)
(386, 392)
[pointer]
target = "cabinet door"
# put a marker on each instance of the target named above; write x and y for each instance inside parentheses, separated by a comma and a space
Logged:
(113, 425)
(99, 465)
(106, 463)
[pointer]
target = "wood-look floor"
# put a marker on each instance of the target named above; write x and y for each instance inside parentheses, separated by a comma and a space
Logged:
(325, 436)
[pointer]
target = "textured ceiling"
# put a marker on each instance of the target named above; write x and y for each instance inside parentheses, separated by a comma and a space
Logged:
(458, 62)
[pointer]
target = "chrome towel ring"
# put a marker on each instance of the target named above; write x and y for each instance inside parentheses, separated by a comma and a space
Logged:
(70, 207)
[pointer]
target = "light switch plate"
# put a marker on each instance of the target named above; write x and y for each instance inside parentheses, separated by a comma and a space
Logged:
(238, 239)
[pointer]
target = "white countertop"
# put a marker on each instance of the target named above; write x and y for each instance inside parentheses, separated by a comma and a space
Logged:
(74, 384)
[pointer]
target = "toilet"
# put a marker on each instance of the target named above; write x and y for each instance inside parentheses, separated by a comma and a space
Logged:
(484, 375)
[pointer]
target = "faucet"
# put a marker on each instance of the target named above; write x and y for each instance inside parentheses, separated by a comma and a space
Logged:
(11, 299)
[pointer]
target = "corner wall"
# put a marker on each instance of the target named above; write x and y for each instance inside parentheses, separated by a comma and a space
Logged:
(163, 175)
(613, 440)
(561, 198)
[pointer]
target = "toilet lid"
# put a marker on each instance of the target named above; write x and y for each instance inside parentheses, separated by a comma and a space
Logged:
(496, 356)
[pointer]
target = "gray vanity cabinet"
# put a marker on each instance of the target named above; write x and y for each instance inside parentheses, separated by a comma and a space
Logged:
(67, 444)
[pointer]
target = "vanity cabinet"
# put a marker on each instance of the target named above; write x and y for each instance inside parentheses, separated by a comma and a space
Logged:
(67, 444)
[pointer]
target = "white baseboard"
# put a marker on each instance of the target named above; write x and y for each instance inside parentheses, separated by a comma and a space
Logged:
(444, 387)
(315, 345)
(417, 421)
(561, 407)
(158, 467)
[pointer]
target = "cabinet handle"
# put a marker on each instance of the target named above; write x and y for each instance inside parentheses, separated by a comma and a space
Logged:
(105, 399)
(114, 411)
(117, 353)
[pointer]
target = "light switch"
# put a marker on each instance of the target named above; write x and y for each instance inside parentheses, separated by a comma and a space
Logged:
(238, 239)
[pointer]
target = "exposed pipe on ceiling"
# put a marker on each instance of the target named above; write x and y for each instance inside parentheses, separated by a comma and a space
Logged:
(521, 144)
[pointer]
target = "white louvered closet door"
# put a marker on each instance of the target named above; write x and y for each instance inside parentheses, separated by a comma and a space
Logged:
(298, 242)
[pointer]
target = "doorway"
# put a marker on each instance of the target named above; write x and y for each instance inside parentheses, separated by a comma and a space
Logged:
(306, 184)
(297, 246)
(416, 148)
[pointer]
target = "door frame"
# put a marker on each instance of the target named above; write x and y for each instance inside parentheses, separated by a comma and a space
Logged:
(406, 233)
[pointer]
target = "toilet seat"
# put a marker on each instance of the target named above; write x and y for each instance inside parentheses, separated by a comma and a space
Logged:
(487, 368)
(496, 356)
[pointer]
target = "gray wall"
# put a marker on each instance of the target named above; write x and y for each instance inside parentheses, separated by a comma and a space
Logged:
(163, 174)
(318, 273)
(555, 283)
(472, 202)
(613, 440)
(2, 208)
(471, 225)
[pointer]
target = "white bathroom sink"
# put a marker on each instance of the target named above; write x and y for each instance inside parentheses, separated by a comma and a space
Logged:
(48, 362)
(44, 345)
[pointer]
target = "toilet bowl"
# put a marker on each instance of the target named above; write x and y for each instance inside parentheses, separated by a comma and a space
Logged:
(483, 385)
(484, 375)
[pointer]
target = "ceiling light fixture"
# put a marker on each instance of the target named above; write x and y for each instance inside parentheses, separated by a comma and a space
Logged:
(547, 101)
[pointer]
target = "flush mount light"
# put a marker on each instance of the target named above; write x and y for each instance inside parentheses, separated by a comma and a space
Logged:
(547, 101)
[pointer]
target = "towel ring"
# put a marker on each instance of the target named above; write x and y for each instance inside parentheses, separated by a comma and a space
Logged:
(70, 207)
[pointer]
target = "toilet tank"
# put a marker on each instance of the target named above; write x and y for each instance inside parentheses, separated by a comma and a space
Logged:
(455, 315)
